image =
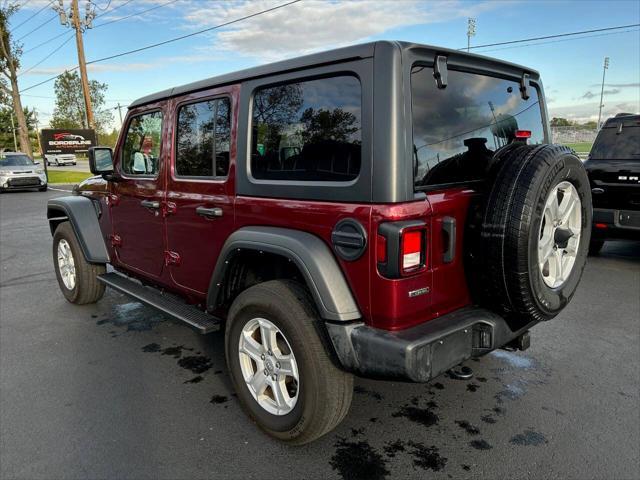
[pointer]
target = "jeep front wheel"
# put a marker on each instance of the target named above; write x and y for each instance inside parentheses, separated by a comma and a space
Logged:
(283, 376)
(77, 278)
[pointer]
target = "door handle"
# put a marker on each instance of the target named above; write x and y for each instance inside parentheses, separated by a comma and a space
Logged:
(209, 212)
(150, 204)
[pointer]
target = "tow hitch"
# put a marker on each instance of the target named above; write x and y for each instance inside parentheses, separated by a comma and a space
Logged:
(519, 343)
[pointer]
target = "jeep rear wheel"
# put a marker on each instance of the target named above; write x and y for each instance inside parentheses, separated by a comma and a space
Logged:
(282, 373)
(535, 234)
(77, 278)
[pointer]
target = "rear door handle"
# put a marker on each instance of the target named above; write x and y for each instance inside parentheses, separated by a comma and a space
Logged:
(209, 212)
(150, 204)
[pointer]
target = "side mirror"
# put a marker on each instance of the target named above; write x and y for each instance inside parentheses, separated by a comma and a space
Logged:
(36, 163)
(100, 160)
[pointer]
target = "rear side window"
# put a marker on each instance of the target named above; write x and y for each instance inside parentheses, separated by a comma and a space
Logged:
(203, 139)
(617, 141)
(456, 130)
(307, 131)
(141, 150)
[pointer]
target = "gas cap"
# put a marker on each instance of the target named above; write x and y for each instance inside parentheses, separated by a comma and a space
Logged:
(349, 239)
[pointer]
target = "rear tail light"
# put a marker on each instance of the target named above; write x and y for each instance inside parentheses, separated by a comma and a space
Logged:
(401, 248)
(412, 250)
(523, 134)
(602, 225)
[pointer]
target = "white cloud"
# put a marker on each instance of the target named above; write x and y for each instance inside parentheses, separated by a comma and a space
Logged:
(314, 24)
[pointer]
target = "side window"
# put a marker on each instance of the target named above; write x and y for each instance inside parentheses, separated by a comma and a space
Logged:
(203, 139)
(307, 131)
(141, 150)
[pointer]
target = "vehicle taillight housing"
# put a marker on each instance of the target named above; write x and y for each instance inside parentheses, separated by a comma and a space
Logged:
(401, 248)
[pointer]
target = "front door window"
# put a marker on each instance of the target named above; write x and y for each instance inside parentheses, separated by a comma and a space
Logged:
(141, 148)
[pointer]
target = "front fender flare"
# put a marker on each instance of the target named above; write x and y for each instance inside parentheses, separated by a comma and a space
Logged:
(82, 215)
(310, 254)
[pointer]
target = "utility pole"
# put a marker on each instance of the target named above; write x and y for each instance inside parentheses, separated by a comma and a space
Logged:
(120, 113)
(44, 160)
(604, 71)
(80, 25)
(13, 130)
(471, 31)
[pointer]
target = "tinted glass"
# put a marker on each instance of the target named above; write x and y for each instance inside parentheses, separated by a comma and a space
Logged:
(614, 142)
(141, 150)
(456, 130)
(15, 161)
(204, 134)
(307, 131)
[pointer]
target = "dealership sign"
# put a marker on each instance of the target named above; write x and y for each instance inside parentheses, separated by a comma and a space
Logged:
(67, 141)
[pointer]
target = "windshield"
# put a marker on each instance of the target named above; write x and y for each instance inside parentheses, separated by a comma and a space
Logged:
(617, 141)
(456, 130)
(15, 161)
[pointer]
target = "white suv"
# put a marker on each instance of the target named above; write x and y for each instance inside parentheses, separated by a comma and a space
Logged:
(58, 159)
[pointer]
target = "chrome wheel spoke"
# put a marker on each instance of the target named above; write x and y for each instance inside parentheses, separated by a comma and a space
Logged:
(258, 383)
(66, 264)
(288, 367)
(268, 336)
(250, 347)
(280, 394)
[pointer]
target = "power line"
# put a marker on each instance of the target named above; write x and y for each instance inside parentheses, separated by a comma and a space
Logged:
(135, 14)
(553, 36)
(46, 42)
(182, 37)
(123, 4)
(199, 32)
(557, 41)
(38, 27)
(25, 21)
(49, 55)
(99, 7)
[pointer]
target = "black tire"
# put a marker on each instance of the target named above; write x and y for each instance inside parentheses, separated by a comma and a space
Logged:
(508, 278)
(87, 288)
(43, 189)
(595, 246)
(325, 391)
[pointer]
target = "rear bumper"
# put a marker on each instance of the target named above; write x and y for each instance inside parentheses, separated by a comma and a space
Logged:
(609, 223)
(422, 352)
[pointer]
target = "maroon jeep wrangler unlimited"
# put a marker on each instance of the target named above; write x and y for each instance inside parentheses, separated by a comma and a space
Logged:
(388, 210)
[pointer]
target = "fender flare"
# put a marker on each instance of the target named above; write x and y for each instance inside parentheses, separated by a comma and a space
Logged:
(310, 254)
(82, 214)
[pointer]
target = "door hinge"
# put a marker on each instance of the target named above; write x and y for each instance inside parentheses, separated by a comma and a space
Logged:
(169, 208)
(113, 200)
(171, 258)
(116, 240)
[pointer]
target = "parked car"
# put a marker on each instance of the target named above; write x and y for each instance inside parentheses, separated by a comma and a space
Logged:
(418, 218)
(19, 172)
(614, 173)
(58, 159)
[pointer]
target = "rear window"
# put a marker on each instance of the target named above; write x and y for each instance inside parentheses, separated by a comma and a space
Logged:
(307, 131)
(456, 130)
(617, 141)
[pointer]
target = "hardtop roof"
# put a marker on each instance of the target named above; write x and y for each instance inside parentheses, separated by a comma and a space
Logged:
(354, 52)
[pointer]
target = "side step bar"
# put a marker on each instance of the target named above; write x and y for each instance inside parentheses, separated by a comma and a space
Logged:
(201, 321)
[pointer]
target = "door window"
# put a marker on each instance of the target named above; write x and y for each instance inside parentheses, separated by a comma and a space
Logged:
(141, 150)
(203, 139)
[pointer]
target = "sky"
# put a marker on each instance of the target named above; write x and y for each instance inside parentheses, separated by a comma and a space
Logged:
(571, 67)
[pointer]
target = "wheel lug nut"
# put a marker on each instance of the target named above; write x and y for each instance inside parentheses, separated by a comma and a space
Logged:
(274, 378)
(277, 364)
(266, 372)
(262, 356)
(270, 353)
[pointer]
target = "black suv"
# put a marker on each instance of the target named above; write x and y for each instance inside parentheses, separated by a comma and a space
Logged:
(614, 173)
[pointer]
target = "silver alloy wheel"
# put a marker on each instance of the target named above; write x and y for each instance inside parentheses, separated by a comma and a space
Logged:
(560, 232)
(268, 366)
(66, 265)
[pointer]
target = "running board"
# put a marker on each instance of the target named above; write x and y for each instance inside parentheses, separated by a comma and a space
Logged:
(201, 321)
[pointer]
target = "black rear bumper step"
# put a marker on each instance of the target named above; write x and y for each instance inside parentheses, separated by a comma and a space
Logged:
(201, 321)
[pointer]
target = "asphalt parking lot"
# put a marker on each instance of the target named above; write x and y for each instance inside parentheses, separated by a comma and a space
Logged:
(115, 390)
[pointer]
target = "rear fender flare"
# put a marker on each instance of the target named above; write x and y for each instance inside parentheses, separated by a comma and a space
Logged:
(83, 217)
(311, 255)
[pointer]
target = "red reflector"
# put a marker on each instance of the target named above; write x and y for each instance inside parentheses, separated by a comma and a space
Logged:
(523, 133)
(381, 249)
(602, 225)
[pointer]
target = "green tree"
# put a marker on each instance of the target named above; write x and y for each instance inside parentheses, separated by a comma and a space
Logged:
(561, 122)
(70, 112)
(110, 139)
(6, 135)
(322, 124)
(10, 53)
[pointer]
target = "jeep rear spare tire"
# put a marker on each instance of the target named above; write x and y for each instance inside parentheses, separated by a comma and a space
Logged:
(535, 234)
(279, 365)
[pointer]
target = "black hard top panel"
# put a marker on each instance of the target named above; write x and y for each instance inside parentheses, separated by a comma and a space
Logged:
(317, 59)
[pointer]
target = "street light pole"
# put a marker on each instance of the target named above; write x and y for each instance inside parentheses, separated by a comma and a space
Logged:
(471, 31)
(604, 71)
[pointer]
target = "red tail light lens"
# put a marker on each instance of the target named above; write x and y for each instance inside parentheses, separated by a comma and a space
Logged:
(602, 225)
(412, 250)
(523, 134)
